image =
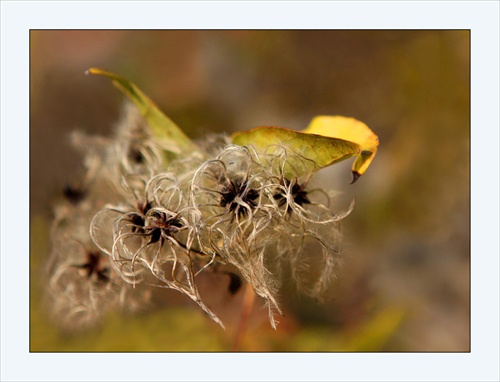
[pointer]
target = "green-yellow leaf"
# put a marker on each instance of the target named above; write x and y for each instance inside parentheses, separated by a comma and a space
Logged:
(326, 141)
(161, 126)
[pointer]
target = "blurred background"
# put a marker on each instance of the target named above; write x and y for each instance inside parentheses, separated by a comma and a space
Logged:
(404, 284)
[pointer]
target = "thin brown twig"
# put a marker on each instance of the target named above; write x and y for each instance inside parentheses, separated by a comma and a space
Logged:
(248, 300)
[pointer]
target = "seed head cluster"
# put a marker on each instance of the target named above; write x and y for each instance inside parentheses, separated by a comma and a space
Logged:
(148, 215)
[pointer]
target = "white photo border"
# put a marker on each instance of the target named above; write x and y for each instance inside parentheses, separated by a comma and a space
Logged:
(19, 17)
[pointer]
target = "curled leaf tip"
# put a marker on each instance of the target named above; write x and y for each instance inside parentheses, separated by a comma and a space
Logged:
(90, 71)
(98, 71)
(355, 176)
(351, 130)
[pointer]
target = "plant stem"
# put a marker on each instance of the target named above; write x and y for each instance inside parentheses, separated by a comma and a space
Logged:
(248, 300)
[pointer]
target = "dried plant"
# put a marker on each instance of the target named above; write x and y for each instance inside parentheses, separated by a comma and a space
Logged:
(155, 210)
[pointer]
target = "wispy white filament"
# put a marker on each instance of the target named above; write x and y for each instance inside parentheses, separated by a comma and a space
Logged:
(159, 217)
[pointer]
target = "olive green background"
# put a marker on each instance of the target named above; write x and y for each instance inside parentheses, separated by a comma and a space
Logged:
(404, 284)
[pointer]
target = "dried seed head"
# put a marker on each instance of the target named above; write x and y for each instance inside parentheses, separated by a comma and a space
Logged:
(159, 220)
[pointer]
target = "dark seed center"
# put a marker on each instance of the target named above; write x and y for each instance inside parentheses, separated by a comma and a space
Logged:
(238, 189)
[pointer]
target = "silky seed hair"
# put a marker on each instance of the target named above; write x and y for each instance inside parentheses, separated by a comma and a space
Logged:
(150, 217)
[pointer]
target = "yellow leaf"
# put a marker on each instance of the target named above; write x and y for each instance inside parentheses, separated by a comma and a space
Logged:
(326, 141)
(161, 126)
(351, 130)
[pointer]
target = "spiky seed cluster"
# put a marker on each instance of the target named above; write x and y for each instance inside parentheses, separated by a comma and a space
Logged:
(146, 220)
(82, 286)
